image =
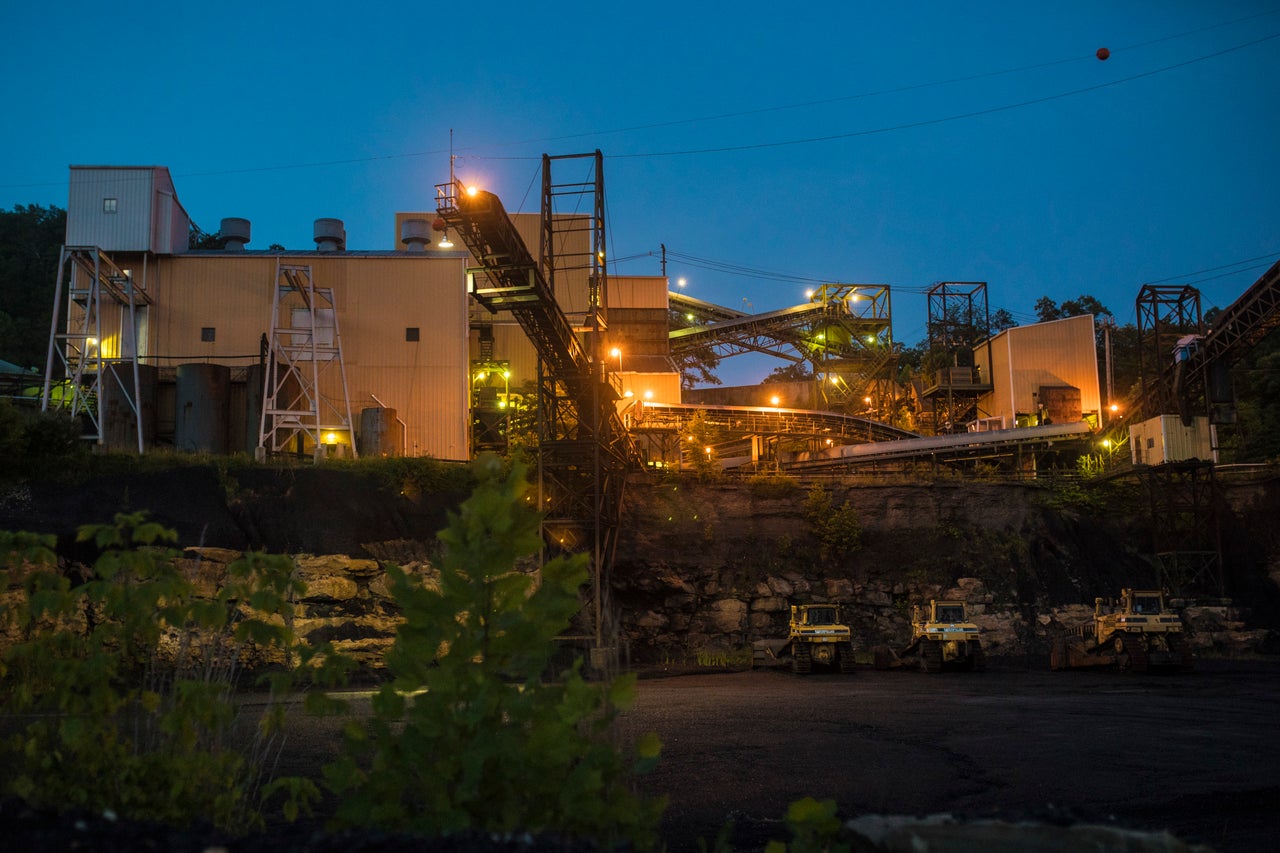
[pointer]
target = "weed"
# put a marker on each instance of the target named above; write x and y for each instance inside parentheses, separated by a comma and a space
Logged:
(128, 678)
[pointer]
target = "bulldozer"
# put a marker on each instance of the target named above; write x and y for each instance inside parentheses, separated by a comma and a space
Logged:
(1134, 633)
(941, 637)
(816, 635)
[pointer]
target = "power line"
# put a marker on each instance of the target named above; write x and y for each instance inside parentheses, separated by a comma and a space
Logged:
(762, 110)
(892, 91)
(945, 119)
(1269, 258)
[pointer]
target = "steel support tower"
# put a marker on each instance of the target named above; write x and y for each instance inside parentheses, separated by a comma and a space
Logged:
(305, 344)
(96, 363)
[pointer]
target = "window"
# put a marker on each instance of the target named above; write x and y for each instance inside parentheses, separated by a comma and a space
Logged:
(411, 333)
(109, 205)
(208, 334)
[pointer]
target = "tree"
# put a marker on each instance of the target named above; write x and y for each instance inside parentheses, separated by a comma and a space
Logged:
(471, 735)
(795, 372)
(30, 242)
(1046, 309)
(1001, 320)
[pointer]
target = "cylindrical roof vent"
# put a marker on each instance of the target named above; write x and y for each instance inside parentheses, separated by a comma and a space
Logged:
(234, 233)
(415, 234)
(330, 235)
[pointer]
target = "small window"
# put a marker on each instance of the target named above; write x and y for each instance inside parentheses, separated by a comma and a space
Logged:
(208, 334)
(109, 205)
(411, 333)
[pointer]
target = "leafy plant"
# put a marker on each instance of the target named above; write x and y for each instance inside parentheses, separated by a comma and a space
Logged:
(772, 485)
(815, 828)
(469, 735)
(128, 678)
(839, 531)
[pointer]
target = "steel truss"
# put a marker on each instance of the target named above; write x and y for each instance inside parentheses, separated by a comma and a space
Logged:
(304, 345)
(844, 332)
(90, 281)
(1185, 532)
(959, 319)
(1165, 315)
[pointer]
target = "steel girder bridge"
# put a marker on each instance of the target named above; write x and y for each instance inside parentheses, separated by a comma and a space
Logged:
(844, 332)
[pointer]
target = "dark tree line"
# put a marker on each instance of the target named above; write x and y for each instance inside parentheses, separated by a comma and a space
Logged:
(30, 239)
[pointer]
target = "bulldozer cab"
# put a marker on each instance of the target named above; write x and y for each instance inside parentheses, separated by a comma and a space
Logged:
(1144, 601)
(949, 611)
(811, 615)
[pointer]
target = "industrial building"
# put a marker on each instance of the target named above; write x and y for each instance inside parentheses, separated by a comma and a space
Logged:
(1039, 374)
(367, 351)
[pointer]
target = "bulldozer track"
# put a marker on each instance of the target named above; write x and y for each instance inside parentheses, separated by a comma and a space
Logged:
(844, 656)
(930, 657)
(1131, 653)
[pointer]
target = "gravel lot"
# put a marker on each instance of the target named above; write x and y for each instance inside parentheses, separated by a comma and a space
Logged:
(1195, 754)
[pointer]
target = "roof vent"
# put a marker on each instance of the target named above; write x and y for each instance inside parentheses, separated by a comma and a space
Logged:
(330, 235)
(415, 234)
(234, 233)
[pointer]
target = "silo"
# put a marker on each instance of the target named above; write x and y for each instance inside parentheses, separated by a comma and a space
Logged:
(381, 434)
(119, 420)
(203, 405)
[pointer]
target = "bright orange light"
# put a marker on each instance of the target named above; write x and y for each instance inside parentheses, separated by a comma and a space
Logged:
(615, 352)
(773, 401)
(1114, 407)
(472, 190)
(648, 395)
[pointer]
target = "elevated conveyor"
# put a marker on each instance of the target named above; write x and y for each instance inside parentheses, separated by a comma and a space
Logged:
(1004, 443)
(585, 451)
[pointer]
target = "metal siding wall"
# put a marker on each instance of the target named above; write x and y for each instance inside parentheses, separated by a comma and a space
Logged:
(638, 292)
(1061, 352)
(377, 299)
(425, 381)
(126, 230)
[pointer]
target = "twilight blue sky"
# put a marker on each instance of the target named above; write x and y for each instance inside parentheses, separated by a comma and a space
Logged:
(854, 142)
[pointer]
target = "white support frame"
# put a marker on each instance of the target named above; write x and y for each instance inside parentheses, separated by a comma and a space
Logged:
(87, 276)
(292, 403)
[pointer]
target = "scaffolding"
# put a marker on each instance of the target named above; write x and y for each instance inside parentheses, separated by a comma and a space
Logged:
(95, 362)
(304, 346)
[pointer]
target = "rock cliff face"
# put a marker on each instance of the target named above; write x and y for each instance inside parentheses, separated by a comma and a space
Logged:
(702, 570)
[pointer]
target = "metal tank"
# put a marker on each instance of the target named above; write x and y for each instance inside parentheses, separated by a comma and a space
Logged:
(203, 402)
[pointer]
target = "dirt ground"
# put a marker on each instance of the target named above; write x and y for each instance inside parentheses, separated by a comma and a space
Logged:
(1196, 755)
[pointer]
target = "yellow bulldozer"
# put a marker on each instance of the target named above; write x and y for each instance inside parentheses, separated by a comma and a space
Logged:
(1135, 633)
(816, 636)
(941, 637)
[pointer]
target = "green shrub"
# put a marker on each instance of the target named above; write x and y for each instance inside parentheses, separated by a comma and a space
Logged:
(128, 678)
(772, 485)
(839, 531)
(469, 735)
(815, 828)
